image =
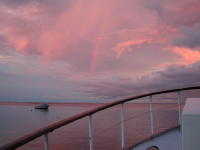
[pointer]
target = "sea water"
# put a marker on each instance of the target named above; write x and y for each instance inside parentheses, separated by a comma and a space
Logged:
(19, 119)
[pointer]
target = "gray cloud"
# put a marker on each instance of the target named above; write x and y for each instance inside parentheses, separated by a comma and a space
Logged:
(172, 77)
(118, 86)
(176, 13)
(13, 3)
(184, 16)
(21, 3)
(35, 87)
(191, 37)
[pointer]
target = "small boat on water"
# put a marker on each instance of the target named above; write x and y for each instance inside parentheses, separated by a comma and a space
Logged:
(42, 106)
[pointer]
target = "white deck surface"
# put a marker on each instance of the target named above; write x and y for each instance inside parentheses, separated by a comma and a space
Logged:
(167, 141)
(192, 107)
(191, 124)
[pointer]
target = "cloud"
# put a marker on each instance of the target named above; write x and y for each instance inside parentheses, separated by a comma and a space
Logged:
(171, 77)
(4, 44)
(99, 87)
(176, 13)
(50, 4)
(76, 34)
(130, 45)
(104, 48)
(14, 3)
(191, 37)
(36, 87)
(189, 56)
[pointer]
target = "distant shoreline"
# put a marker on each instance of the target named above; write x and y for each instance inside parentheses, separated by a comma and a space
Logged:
(59, 104)
(50, 103)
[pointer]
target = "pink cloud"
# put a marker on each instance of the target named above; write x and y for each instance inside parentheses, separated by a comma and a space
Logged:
(101, 39)
(131, 45)
(72, 29)
(189, 56)
(86, 33)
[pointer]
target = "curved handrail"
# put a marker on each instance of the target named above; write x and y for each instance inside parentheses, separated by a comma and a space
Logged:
(29, 137)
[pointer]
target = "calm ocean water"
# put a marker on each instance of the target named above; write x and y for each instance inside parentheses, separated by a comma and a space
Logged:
(18, 119)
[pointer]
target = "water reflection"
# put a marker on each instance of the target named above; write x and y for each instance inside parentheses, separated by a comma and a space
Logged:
(18, 120)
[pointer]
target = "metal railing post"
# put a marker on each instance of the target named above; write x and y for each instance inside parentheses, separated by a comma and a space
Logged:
(122, 128)
(151, 115)
(46, 142)
(90, 133)
(179, 107)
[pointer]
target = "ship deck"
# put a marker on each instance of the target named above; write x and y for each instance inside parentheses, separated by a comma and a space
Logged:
(166, 140)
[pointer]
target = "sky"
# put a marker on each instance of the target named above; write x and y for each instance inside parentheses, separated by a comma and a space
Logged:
(92, 50)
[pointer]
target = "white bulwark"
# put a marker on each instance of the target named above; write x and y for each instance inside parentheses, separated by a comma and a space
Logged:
(191, 124)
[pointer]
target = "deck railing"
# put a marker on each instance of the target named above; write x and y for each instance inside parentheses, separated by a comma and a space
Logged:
(46, 130)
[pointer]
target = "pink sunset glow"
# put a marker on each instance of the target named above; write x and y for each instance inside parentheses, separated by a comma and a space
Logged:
(96, 49)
